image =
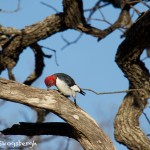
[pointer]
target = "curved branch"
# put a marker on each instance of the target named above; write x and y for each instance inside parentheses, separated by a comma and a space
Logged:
(14, 41)
(26, 37)
(12, 11)
(74, 18)
(48, 128)
(127, 130)
(87, 132)
(39, 64)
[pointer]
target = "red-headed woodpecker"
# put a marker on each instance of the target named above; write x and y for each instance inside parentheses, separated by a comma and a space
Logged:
(64, 83)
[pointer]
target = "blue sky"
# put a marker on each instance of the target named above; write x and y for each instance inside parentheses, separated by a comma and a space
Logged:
(89, 62)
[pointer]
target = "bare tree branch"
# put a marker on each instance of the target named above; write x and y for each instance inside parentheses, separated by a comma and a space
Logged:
(32, 129)
(90, 136)
(39, 64)
(68, 43)
(26, 37)
(67, 146)
(115, 92)
(12, 11)
(50, 6)
(128, 59)
(85, 129)
(96, 7)
(48, 56)
(146, 117)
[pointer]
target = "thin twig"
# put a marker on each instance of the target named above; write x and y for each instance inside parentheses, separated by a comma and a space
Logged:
(107, 22)
(53, 50)
(96, 7)
(116, 92)
(53, 8)
(67, 146)
(138, 1)
(136, 10)
(68, 43)
(145, 4)
(146, 117)
(12, 11)
(147, 120)
(148, 134)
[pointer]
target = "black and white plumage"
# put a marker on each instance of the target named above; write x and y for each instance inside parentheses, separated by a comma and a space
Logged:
(64, 83)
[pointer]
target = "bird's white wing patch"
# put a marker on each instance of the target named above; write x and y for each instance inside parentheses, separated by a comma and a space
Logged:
(75, 88)
(63, 87)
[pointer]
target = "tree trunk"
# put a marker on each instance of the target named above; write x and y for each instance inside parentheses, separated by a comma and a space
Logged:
(127, 130)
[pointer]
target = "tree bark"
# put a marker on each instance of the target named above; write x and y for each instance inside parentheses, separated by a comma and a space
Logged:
(72, 17)
(127, 130)
(47, 128)
(87, 131)
(20, 39)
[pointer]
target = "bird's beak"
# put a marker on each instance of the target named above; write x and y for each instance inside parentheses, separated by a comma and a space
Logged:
(48, 87)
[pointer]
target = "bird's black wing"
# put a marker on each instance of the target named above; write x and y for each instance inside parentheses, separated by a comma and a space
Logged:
(66, 78)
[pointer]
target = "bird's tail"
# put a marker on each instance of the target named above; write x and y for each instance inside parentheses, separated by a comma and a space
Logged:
(82, 92)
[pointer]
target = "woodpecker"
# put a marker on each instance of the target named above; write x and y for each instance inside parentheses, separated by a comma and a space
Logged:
(65, 84)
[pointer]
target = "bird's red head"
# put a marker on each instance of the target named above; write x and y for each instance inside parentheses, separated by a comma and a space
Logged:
(50, 80)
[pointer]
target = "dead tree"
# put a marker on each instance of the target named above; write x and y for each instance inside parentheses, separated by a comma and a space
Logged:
(79, 125)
